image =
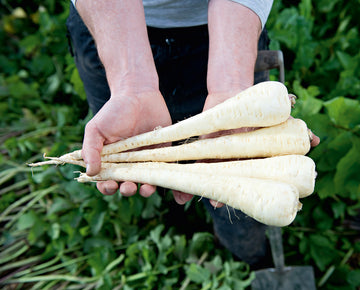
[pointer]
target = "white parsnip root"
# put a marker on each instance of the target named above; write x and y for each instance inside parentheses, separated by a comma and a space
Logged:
(267, 189)
(266, 183)
(262, 105)
(290, 137)
(297, 170)
(268, 201)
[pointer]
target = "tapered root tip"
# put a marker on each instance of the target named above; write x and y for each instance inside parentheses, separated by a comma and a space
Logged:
(58, 161)
(83, 177)
(49, 162)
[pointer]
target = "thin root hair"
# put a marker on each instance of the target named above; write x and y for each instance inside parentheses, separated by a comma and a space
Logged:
(227, 208)
(234, 210)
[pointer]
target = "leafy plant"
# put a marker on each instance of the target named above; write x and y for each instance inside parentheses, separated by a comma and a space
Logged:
(319, 40)
(56, 233)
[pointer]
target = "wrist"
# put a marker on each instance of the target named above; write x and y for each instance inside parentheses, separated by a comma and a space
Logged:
(128, 83)
(227, 76)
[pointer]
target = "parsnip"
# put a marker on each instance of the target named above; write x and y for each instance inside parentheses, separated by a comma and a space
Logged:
(262, 105)
(269, 202)
(290, 137)
(297, 170)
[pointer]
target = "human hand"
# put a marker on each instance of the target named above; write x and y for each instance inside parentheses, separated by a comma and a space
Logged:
(122, 117)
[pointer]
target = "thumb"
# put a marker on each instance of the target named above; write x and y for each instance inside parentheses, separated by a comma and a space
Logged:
(91, 150)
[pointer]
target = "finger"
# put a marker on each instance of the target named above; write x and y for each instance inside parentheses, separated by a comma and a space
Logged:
(128, 188)
(147, 190)
(216, 204)
(91, 150)
(181, 197)
(315, 140)
(108, 187)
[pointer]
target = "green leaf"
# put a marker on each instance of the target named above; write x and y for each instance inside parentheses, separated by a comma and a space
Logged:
(348, 167)
(30, 43)
(322, 251)
(151, 206)
(344, 112)
(42, 65)
(45, 20)
(84, 231)
(322, 220)
(97, 221)
(353, 187)
(197, 274)
(353, 277)
(124, 211)
(346, 60)
(321, 126)
(92, 243)
(27, 220)
(306, 9)
(307, 104)
(96, 216)
(326, 6)
(54, 231)
(78, 84)
(59, 204)
(37, 230)
(215, 265)
(164, 247)
(139, 257)
(200, 243)
(332, 150)
(19, 89)
(163, 242)
(180, 247)
(304, 246)
(7, 66)
(339, 209)
(341, 143)
(100, 258)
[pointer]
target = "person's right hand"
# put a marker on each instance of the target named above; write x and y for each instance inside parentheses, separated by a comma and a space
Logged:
(119, 118)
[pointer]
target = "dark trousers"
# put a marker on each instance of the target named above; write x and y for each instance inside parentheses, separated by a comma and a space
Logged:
(181, 56)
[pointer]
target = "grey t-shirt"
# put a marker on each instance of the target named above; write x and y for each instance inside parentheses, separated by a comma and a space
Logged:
(184, 13)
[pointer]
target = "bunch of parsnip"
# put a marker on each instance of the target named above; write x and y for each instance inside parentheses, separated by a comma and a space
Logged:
(272, 171)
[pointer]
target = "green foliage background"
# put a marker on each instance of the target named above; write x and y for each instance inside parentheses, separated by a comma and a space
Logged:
(56, 233)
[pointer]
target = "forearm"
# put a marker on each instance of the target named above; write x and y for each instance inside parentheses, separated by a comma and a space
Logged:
(234, 31)
(119, 30)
